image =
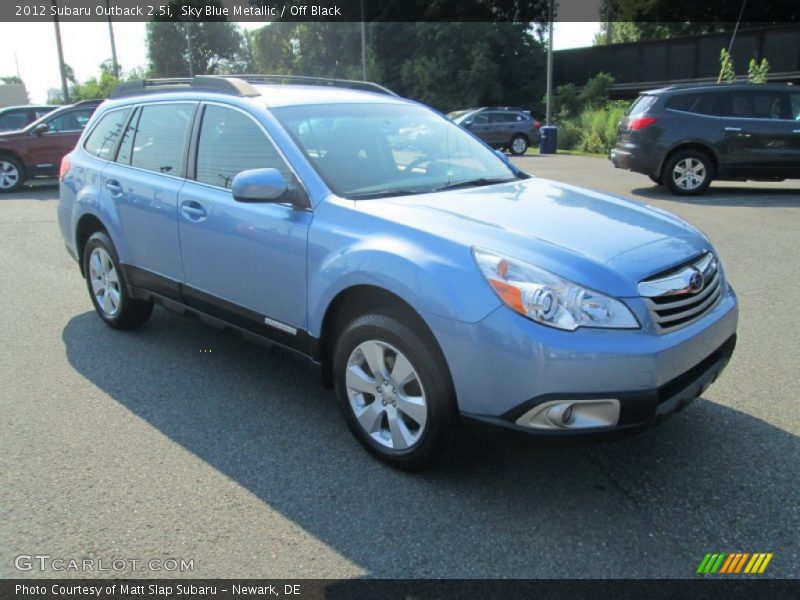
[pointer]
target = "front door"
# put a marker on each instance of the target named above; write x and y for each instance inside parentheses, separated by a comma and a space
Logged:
(243, 262)
(759, 137)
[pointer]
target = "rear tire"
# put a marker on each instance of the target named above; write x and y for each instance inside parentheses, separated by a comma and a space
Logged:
(688, 173)
(107, 287)
(405, 413)
(518, 145)
(12, 174)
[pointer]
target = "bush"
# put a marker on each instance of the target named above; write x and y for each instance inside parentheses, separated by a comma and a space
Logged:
(594, 130)
(569, 136)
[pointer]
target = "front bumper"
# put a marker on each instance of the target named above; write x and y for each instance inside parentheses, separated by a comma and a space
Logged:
(505, 365)
(637, 409)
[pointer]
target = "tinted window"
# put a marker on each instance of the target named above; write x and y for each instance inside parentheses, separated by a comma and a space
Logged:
(641, 104)
(126, 146)
(231, 142)
(13, 120)
(161, 137)
(71, 120)
(104, 136)
(795, 106)
(757, 104)
(502, 117)
(480, 119)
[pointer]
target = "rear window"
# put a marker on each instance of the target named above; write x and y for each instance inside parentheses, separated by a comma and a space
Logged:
(641, 104)
(103, 138)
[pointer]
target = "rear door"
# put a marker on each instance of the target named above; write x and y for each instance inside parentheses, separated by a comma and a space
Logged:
(244, 262)
(794, 125)
(144, 183)
(759, 136)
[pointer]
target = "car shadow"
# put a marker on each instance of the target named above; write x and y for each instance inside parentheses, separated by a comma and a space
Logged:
(710, 479)
(721, 195)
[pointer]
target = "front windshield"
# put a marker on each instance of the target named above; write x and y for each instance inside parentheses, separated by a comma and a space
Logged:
(375, 150)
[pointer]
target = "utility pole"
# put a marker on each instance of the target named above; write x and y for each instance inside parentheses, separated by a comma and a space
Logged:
(549, 112)
(363, 44)
(61, 68)
(113, 44)
(189, 48)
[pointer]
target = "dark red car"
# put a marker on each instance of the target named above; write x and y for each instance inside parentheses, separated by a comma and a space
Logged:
(37, 150)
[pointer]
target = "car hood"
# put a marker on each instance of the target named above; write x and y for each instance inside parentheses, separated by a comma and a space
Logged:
(600, 241)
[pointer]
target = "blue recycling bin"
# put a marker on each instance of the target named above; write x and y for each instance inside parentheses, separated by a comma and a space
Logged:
(548, 143)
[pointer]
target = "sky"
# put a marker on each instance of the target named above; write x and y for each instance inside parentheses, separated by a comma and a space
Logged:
(86, 45)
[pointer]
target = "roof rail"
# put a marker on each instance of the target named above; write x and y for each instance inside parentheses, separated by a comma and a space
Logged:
(235, 85)
(367, 86)
(206, 83)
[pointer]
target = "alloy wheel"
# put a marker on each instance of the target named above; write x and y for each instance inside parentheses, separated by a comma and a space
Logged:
(689, 174)
(519, 145)
(105, 282)
(9, 175)
(386, 395)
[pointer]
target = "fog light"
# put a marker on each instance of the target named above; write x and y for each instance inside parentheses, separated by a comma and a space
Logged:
(572, 414)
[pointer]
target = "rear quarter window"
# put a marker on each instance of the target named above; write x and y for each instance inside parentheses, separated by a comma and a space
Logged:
(103, 138)
(641, 104)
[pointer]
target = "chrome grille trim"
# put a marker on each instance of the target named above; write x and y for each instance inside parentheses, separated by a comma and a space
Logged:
(680, 297)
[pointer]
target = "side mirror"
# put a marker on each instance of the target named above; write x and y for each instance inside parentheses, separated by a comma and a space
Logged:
(260, 185)
(41, 128)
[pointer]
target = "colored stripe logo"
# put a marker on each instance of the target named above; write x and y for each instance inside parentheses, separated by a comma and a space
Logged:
(733, 563)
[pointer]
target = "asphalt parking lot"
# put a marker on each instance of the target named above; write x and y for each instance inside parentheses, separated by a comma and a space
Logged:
(179, 441)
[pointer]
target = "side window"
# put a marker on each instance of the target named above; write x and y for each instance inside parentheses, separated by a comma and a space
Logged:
(71, 120)
(160, 137)
(231, 142)
(501, 118)
(104, 136)
(481, 119)
(685, 102)
(13, 120)
(759, 105)
(795, 106)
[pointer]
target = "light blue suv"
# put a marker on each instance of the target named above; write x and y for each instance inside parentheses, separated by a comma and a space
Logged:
(429, 278)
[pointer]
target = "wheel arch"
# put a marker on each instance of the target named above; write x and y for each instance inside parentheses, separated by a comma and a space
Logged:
(87, 224)
(690, 145)
(357, 300)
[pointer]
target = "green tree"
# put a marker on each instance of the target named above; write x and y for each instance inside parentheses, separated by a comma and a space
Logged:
(596, 91)
(757, 71)
(215, 44)
(726, 71)
(11, 80)
(99, 86)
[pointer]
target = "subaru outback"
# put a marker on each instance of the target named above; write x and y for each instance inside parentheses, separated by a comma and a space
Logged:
(429, 279)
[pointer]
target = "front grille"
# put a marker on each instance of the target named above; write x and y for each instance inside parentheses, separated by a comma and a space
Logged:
(683, 295)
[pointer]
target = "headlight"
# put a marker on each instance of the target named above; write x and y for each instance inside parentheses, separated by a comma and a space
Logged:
(547, 298)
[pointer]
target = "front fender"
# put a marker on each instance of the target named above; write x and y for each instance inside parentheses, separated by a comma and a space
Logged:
(431, 274)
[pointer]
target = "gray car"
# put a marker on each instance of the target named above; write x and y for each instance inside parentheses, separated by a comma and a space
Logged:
(685, 137)
(502, 127)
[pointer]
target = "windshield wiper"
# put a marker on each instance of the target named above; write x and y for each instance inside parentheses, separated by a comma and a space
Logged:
(471, 183)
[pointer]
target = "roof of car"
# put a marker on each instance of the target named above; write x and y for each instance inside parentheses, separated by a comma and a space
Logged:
(702, 87)
(28, 106)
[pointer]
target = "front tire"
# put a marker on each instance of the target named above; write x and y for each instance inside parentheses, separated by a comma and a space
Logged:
(12, 175)
(518, 145)
(394, 391)
(688, 173)
(107, 287)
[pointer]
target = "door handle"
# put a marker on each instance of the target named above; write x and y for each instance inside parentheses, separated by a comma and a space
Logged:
(113, 187)
(733, 129)
(194, 211)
